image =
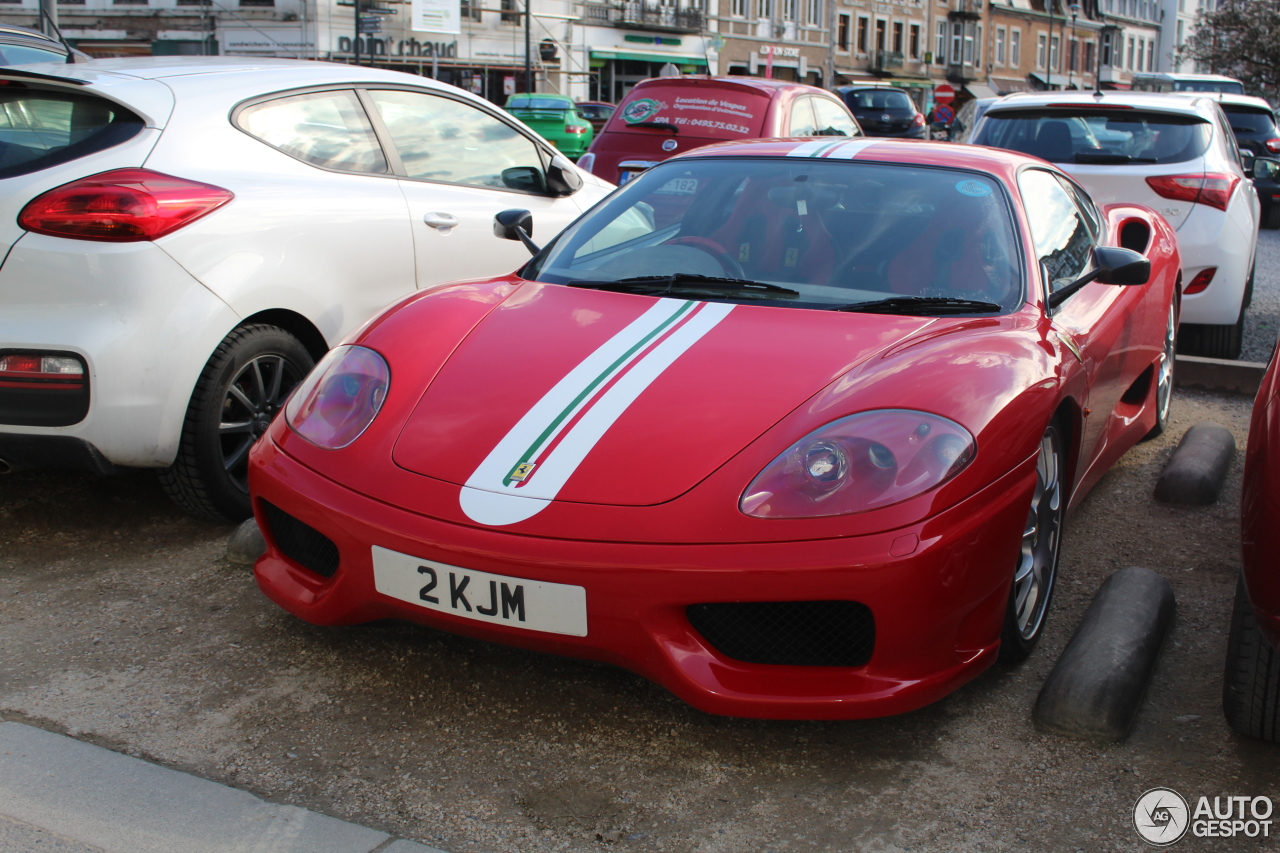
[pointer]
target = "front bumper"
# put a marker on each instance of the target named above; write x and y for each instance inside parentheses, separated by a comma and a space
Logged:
(937, 608)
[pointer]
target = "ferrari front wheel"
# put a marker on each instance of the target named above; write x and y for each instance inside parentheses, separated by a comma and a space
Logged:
(1037, 565)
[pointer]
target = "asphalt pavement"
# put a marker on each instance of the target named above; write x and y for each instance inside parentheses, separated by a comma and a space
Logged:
(1262, 320)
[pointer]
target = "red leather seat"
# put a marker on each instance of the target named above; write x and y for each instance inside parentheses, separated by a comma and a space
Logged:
(775, 233)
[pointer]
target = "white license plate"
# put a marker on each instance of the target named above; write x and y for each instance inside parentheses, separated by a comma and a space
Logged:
(555, 608)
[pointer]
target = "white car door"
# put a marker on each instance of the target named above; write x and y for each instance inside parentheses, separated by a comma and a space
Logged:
(462, 165)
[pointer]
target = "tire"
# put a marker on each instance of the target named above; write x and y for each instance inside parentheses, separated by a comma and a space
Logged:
(1271, 217)
(1251, 682)
(243, 385)
(1213, 341)
(1037, 566)
(1164, 377)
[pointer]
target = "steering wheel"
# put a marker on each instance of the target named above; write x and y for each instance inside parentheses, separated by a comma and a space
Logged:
(728, 262)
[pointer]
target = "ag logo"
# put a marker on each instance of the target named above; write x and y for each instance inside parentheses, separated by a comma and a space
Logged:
(1161, 817)
(638, 111)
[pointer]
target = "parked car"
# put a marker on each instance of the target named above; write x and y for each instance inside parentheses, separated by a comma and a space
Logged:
(1266, 181)
(1174, 153)
(667, 115)
(556, 117)
(782, 425)
(596, 112)
(20, 46)
(1251, 681)
(1254, 124)
(966, 120)
(884, 111)
(1163, 81)
(183, 236)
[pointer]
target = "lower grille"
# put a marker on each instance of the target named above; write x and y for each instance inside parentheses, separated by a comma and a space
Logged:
(789, 633)
(301, 542)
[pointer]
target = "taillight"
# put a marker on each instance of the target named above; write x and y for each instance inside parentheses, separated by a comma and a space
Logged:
(121, 206)
(574, 128)
(1273, 145)
(1201, 281)
(1213, 188)
(37, 370)
(918, 121)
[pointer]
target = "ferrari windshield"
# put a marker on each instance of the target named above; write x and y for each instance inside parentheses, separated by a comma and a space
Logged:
(800, 233)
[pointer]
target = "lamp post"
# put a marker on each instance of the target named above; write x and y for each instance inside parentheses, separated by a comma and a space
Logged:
(528, 40)
(1048, 77)
(1071, 57)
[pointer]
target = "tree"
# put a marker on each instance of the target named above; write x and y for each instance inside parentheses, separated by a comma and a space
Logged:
(1241, 38)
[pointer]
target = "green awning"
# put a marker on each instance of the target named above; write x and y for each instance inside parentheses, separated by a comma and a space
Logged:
(674, 58)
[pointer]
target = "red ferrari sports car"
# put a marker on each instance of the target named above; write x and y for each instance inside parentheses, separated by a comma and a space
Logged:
(1251, 687)
(787, 426)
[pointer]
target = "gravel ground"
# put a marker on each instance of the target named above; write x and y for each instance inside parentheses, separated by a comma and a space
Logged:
(1262, 320)
(122, 625)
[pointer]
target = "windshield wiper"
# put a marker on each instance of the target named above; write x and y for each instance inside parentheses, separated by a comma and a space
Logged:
(922, 305)
(1103, 158)
(686, 281)
(662, 125)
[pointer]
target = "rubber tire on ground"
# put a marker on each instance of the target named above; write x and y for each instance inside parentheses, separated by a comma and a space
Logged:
(1212, 341)
(1014, 648)
(1251, 682)
(197, 481)
(1271, 220)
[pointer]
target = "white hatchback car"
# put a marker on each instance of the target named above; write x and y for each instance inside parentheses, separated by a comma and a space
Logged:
(1173, 153)
(183, 237)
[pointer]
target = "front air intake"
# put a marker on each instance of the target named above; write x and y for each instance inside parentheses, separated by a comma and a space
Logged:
(301, 542)
(788, 633)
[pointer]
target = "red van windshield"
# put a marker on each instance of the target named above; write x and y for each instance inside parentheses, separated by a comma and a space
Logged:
(704, 112)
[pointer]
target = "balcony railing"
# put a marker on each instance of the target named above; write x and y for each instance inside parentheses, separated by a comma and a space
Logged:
(649, 16)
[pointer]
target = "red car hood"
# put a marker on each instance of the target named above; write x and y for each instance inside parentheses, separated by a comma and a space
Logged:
(609, 398)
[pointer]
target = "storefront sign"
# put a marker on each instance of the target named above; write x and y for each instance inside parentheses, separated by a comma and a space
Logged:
(775, 50)
(437, 16)
(401, 47)
(285, 42)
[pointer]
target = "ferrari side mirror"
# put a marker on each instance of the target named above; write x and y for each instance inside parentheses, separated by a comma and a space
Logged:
(1121, 266)
(1111, 265)
(515, 225)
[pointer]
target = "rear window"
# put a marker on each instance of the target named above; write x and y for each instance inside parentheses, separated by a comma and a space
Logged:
(1101, 136)
(879, 99)
(40, 129)
(1208, 86)
(537, 104)
(17, 54)
(703, 112)
(1245, 120)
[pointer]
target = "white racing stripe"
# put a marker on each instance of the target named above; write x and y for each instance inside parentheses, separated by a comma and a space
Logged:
(826, 148)
(490, 496)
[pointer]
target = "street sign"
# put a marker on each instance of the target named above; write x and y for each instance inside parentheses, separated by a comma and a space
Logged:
(370, 24)
(944, 94)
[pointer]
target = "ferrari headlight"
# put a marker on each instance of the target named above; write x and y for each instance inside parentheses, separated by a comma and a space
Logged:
(339, 398)
(861, 462)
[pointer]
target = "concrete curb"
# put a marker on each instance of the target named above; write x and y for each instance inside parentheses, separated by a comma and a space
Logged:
(1097, 686)
(85, 796)
(1218, 374)
(1198, 467)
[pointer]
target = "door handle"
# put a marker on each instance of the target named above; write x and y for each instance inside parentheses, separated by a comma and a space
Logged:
(443, 221)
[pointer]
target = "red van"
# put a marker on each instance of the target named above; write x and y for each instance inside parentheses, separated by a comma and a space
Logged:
(666, 115)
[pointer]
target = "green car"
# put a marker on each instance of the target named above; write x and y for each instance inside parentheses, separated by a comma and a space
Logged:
(556, 118)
